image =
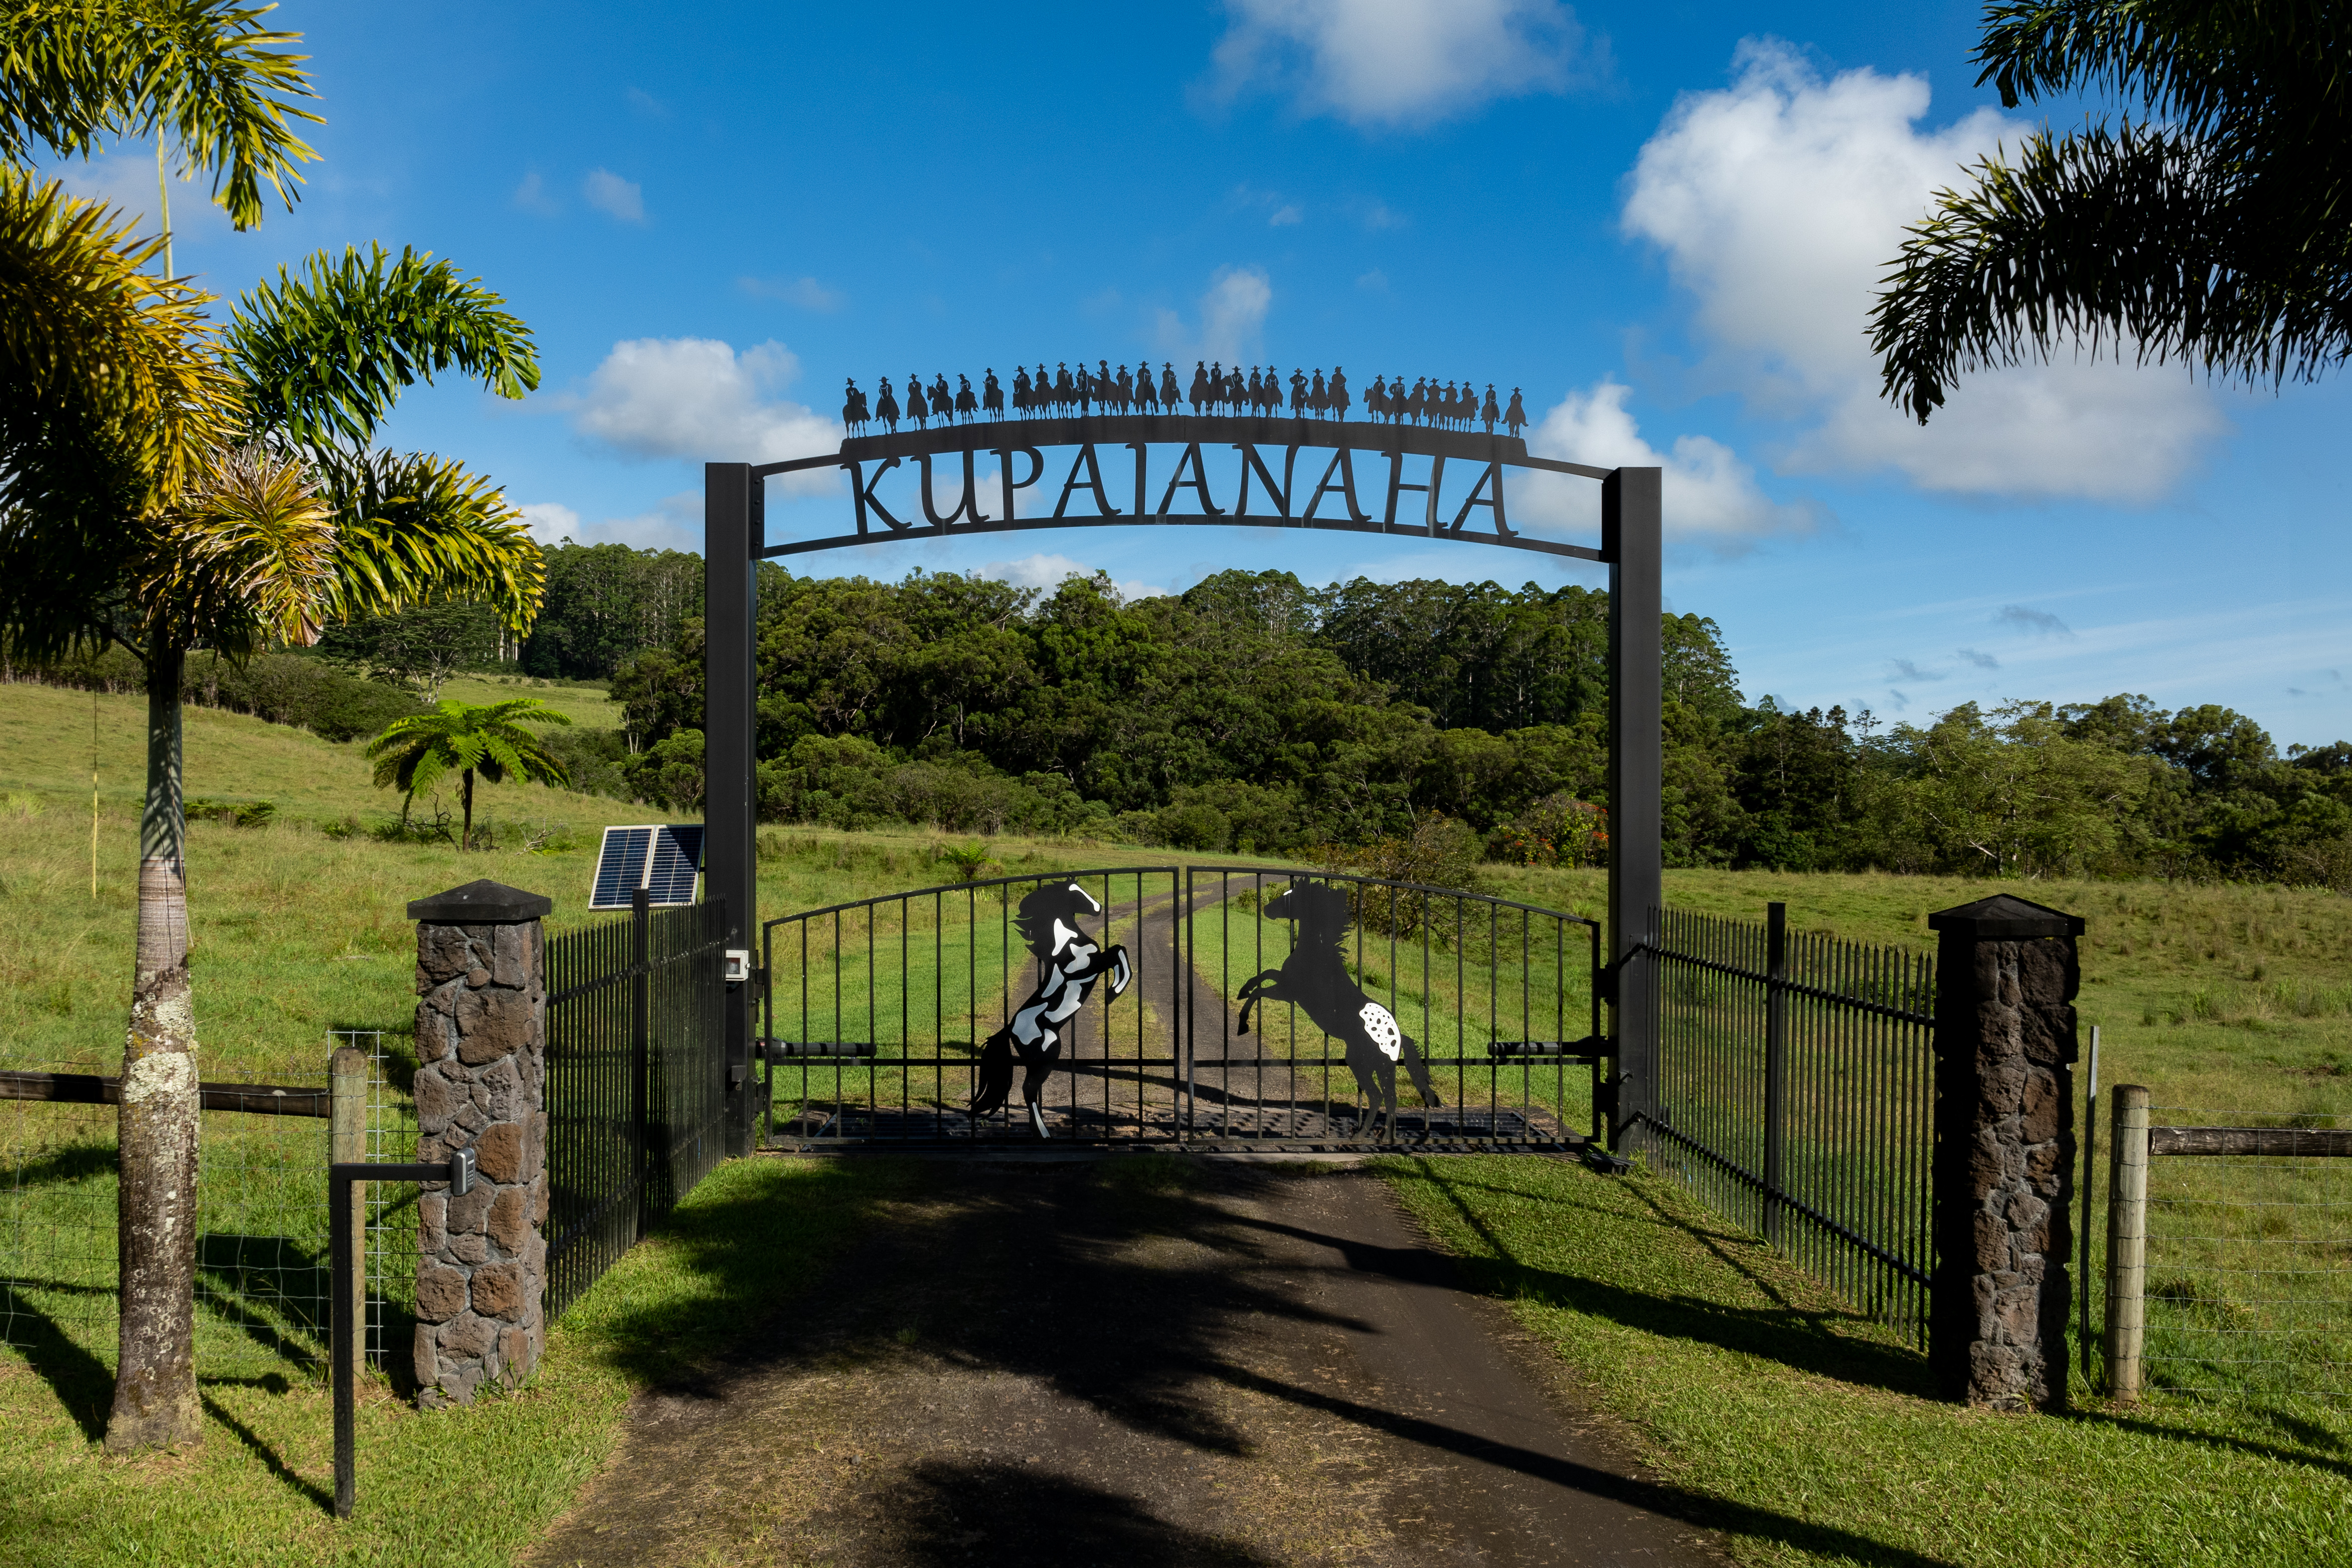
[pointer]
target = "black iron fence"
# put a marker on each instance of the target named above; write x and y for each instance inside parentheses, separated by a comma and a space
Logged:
(1794, 1094)
(1483, 1027)
(636, 1081)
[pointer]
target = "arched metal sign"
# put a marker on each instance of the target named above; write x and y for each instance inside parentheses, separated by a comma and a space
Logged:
(1429, 463)
(1354, 478)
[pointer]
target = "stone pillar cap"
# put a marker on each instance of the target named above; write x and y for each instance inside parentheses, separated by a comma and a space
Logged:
(2006, 918)
(481, 903)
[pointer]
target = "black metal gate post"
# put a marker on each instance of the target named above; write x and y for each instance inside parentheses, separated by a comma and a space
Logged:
(1776, 1062)
(733, 535)
(1631, 542)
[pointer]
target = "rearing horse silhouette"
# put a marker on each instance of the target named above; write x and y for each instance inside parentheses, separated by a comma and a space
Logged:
(1316, 977)
(1072, 963)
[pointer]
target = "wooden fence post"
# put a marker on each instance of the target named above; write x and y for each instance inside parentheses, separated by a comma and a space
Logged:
(347, 1130)
(2127, 1242)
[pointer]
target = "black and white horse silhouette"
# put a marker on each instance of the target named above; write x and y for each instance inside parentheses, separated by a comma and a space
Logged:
(1074, 961)
(1315, 976)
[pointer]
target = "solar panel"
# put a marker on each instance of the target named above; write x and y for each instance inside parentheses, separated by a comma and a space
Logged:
(664, 860)
(677, 860)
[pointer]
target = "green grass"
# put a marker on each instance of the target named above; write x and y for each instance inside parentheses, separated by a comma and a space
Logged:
(2230, 1005)
(2229, 998)
(589, 706)
(754, 1236)
(1771, 1412)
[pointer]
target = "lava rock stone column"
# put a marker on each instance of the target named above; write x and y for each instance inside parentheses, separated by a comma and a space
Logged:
(481, 1039)
(2004, 1178)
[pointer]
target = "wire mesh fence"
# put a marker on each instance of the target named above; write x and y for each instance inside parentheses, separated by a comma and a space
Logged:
(391, 1207)
(2249, 1262)
(1795, 1082)
(261, 1280)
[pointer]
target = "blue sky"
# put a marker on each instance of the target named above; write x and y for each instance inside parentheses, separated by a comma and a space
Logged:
(1661, 220)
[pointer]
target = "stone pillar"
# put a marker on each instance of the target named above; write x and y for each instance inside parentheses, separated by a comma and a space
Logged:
(481, 1039)
(2003, 1178)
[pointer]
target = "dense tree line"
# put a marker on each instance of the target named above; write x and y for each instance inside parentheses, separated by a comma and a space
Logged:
(1254, 712)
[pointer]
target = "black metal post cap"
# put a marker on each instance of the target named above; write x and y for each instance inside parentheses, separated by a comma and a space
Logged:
(481, 903)
(2006, 918)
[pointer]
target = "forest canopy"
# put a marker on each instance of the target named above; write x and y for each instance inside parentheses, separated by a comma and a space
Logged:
(1255, 713)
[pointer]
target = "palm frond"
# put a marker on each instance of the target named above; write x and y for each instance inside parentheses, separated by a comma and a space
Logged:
(327, 352)
(112, 403)
(249, 559)
(2214, 232)
(2126, 242)
(417, 529)
(206, 71)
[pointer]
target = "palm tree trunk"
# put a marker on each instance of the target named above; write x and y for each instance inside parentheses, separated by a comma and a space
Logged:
(155, 1381)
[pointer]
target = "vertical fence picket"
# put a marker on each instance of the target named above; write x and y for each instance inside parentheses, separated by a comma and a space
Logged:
(1792, 1072)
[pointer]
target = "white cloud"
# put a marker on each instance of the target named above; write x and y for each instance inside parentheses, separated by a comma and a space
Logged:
(532, 196)
(549, 522)
(1707, 493)
(1779, 201)
(1233, 318)
(1285, 216)
(1047, 571)
(608, 193)
(1400, 62)
(806, 292)
(675, 523)
(697, 398)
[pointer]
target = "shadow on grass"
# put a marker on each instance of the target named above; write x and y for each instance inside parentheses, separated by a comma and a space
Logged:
(322, 1496)
(270, 1286)
(70, 1162)
(1804, 1337)
(81, 1382)
(2317, 1437)
(1064, 1276)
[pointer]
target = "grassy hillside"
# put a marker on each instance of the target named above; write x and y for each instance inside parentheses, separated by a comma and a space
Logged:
(296, 932)
(2217, 996)
(592, 706)
(2225, 998)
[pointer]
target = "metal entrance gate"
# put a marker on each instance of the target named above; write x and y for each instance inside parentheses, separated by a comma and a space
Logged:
(878, 1014)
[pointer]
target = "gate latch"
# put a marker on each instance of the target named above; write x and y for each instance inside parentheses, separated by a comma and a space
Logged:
(738, 965)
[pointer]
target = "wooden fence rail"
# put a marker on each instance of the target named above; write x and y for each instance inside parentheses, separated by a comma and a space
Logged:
(88, 1089)
(2135, 1142)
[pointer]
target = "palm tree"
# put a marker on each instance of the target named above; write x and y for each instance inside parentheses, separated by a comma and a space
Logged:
(160, 489)
(2213, 230)
(414, 753)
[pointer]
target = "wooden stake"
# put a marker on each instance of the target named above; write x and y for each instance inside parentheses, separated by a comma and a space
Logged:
(347, 1130)
(2127, 1242)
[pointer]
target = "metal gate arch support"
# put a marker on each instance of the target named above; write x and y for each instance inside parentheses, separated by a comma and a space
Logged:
(1631, 545)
